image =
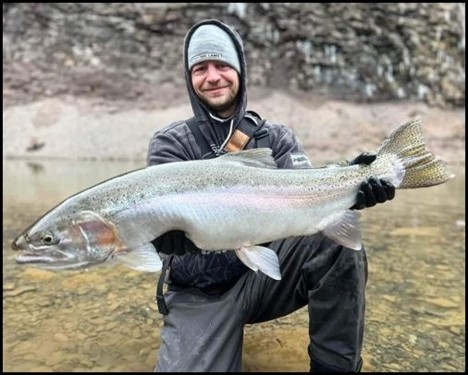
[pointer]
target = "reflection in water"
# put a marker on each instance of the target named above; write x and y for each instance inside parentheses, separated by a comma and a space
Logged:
(35, 167)
(105, 318)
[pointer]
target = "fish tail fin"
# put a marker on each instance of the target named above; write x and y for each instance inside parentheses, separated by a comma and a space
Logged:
(412, 164)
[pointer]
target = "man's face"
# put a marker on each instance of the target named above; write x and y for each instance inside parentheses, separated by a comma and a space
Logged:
(217, 85)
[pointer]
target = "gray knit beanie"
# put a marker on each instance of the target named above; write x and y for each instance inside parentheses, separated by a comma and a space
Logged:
(210, 42)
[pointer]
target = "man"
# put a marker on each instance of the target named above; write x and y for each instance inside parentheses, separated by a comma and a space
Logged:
(212, 296)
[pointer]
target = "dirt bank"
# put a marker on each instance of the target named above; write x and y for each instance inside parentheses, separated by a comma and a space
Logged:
(331, 130)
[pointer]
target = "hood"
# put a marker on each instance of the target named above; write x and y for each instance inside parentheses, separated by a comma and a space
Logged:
(200, 111)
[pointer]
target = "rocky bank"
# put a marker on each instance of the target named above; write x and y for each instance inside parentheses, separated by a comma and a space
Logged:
(366, 52)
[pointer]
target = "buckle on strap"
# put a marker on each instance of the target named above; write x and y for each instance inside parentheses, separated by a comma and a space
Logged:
(237, 141)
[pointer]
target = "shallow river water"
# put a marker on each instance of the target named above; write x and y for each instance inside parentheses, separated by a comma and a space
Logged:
(105, 318)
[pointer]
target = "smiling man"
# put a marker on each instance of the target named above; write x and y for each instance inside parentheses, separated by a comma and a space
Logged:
(216, 84)
(212, 296)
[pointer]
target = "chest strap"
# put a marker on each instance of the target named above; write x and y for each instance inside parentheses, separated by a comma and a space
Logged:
(160, 301)
(250, 127)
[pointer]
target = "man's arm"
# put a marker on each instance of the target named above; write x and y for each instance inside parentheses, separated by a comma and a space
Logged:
(288, 150)
(163, 148)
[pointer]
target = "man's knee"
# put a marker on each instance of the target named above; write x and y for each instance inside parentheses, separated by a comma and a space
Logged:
(327, 258)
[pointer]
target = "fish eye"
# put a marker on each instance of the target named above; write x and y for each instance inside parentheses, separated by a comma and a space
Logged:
(48, 238)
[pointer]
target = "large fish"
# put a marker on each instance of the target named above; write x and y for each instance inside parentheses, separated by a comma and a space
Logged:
(233, 202)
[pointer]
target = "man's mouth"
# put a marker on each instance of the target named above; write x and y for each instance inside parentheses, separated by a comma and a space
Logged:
(215, 89)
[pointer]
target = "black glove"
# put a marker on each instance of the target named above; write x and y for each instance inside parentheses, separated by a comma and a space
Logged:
(372, 191)
(364, 158)
(174, 242)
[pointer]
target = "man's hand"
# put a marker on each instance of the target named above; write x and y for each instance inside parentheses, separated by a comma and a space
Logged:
(372, 191)
(174, 242)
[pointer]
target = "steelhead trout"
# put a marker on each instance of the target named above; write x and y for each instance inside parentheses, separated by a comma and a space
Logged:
(233, 202)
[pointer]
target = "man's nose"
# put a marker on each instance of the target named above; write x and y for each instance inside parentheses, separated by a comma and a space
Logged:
(212, 73)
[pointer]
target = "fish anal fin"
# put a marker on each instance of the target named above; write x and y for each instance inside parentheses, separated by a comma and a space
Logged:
(344, 228)
(260, 258)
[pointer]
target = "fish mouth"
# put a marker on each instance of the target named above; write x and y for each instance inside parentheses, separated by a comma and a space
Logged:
(31, 256)
(27, 258)
(49, 262)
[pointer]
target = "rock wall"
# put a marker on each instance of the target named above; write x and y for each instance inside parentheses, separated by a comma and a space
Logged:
(130, 51)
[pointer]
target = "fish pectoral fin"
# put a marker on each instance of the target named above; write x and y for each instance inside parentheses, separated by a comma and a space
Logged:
(260, 258)
(344, 229)
(144, 258)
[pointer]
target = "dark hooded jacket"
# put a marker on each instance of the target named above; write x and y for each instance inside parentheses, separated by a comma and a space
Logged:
(216, 272)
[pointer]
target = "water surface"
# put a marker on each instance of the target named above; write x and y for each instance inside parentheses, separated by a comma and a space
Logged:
(105, 318)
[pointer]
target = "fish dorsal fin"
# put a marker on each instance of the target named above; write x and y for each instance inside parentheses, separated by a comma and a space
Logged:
(256, 157)
(144, 258)
(344, 229)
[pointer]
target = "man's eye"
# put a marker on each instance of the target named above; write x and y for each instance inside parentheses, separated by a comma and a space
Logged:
(199, 69)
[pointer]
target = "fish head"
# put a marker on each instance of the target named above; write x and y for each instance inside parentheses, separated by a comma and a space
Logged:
(63, 244)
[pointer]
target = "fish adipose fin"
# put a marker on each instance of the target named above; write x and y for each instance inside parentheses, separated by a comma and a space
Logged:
(413, 165)
(143, 258)
(260, 258)
(344, 229)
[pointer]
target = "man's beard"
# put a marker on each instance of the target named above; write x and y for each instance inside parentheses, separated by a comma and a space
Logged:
(218, 108)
